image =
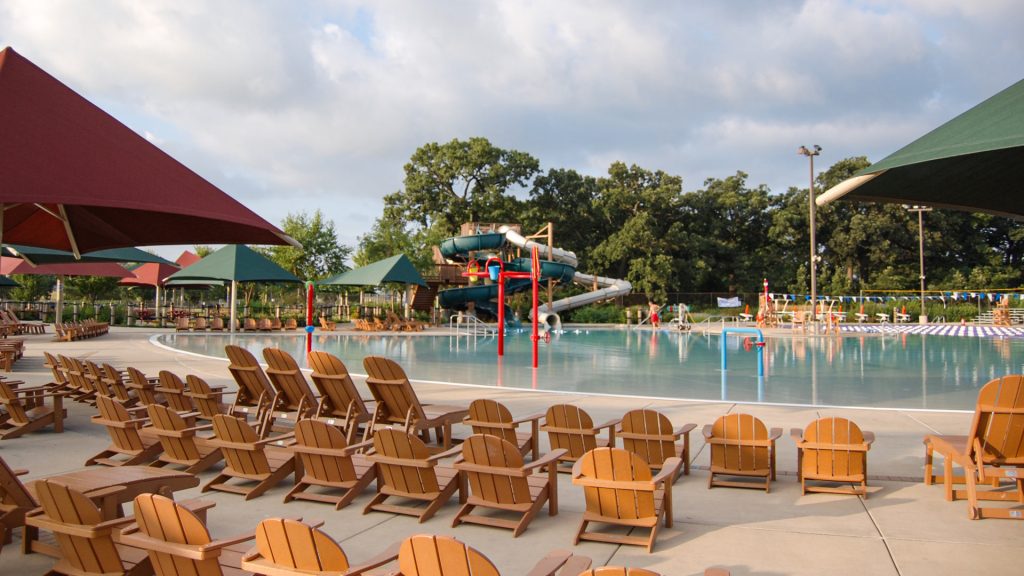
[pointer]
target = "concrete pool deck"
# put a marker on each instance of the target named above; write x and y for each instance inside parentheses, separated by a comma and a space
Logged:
(904, 527)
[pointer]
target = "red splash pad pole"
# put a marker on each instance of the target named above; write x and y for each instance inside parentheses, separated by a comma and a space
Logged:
(309, 317)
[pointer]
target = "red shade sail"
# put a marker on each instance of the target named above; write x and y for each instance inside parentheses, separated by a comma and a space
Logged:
(74, 178)
(151, 274)
(187, 259)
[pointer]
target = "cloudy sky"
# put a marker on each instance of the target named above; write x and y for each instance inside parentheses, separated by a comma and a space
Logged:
(296, 105)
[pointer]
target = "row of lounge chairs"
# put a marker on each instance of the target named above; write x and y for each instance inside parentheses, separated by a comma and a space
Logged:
(11, 350)
(185, 324)
(68, 331)
(10, 324)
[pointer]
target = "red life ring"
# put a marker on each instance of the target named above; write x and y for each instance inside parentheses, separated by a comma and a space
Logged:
(748, 344)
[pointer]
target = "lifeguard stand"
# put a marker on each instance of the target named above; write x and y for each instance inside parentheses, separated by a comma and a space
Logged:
(766, 316)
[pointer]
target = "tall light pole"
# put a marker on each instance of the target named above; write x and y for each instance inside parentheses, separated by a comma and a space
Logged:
(920, 244)
(814, 242)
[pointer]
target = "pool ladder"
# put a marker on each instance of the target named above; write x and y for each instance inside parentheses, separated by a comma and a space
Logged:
(464, 325)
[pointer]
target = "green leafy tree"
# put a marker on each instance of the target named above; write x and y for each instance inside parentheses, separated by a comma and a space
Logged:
(31, 287)
(91, 288)
(320, 256)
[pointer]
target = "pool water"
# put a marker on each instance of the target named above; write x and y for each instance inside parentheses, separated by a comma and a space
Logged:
(901, 371)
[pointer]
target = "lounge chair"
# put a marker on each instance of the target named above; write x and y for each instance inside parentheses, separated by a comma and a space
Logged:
(60, 378)
(177, 540)
(207, 399)
(201, 325)
(572, 429)
(340, 403)
(992, 450)
(327, 461)
(113, 381)
(264, 325)
(217, 324)
(173, 390)
(248, 458)
(291, 324)
(128, 437)
(493, 471)
(254, 390)
(25, 412)
(833, 450)
(620, 490)
(85, 537)
(144, 387)
(405, 469)
(427, 555)
(286, 547)
(397, 402)
(250, 325)
(327, 325)
(182, 324)
(293, 398)
(182, 446)
(488, 416)
(650, 435)
(76, 375)
(741, 445)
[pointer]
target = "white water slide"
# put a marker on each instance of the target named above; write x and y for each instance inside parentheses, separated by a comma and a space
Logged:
(606, 287)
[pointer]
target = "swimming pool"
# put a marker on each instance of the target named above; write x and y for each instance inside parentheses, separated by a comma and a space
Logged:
(902, 371)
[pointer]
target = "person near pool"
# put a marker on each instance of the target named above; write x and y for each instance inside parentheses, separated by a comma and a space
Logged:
(653, 310)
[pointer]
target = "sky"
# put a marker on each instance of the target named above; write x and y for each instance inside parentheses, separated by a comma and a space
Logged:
(294, 106)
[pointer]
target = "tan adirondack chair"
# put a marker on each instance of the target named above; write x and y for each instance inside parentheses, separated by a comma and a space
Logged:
(493, 471)
(405, 469)
(113, 381)
(650, 435)
(620, 490)
(25, 411)
(76, 375)
(85, 538)
(340, 403)
(15, 501)
(488, 416)
(741, 445)
(255, 393)
(181, 444)
(60, 378)
(183, 324)
(291, 324)
(208, 400)
(286, 547)
(327, 461)
(397, 402)
(173, 389)
(992, 451)
(201, 325)
(144, 387)
(217, 324)
(427, 555)
(250, 325)
(833, 450)
(248, 458)
(293, 398)
(129, 438)
(572, 429)
(178, 542)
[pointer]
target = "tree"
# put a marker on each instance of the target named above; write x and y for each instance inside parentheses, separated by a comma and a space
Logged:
(320, 256)
(91, 288)
(566, 199)
(31, 287)
(203, 251)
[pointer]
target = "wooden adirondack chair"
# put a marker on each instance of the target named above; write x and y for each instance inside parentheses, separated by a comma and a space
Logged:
(181, 445)
(144, 387)
(60, 378)
(217, 324)
(833, 450)
(493, 471)
(76, 375)
(207, 399)
(992, 450)
(254, 390)
(248, 458)
(293, 398)
(182, 324)
(25, 412)
(340, 403)
(327, 461)
(15, 501)
(177, 540)
(85, 538)
(201, 325)
(127, 435)
(650, 435)
(327, 326)
(488, 416)
(572, 429)
(405, 469)
(427, 555)
(113, 381)
(286, 547)
(173, 390)
(620, 490)
(250, 325)
(291, 324)
(397, 402)
(741, 445)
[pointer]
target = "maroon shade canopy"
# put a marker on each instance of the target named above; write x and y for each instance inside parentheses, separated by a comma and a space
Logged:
(10, 265)
(74, 178)
(187, 259)
(151, 274)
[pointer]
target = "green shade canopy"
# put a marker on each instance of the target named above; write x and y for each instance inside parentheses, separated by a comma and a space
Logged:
(969, 163)
(397, 268)
(49, 256)
(6, 282)
(235, 262)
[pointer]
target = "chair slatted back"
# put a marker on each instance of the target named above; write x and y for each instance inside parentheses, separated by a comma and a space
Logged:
(571, 429)
(206, 401)
(73, 517)
(490, 417)
(168, 425)
(998, 424)
(612, 481)
(114, 381)
(201, 324)
(426, 555)
(337, 391)
(833, 447)
(217, 323)
(293, 545)
(76, 372)
(12, 403)
(56, 368)
(145, 390)
(391, 389)
(313, 437)
(397, 454)
(13, 493)
(648, 434)
(123, 433)
(165, 520)
(248, 374)
(289, 381)
(237, 440)
(740, 442)
(94, 374)
(173, 390)
(249, 324)
(495, 471)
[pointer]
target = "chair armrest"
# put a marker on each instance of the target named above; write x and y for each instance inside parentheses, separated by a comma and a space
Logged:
(609, 424)
(775, 433)
(20, 471)
(685, 428)
(388, 555)
(225, 542)
(547, 565)
(546, 459)
(105, 491)
(530, 418)
(454, 450)
(275, 439)
(869, 437)
(668, 469)
(353, 448)
(797, 434)
(706, 431)
(577, 469)
(197, 504)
